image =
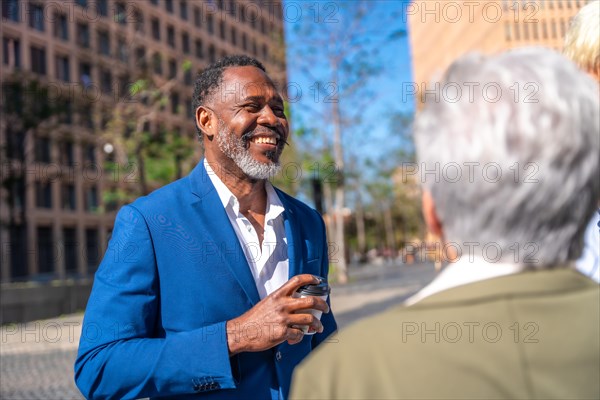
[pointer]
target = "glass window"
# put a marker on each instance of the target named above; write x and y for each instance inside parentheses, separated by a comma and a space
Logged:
(91, 199)
(157, 63)
(42, 149)
(43, 195)
(172, 69)
(71, 247)
(89, 154)
(156, 29)
(36, 16)
(138, 19)
(211, 54)
(120, 13)
(210, 24)
(199, 49)
(183, 9)
(15, 144)
(68, 197)
(171, 36)
(102, 6)
(189, 108)
(85, 73)
(62, 68)
(185, 43)
(85, 111)
(197, 17)
(105, 80)
(140, 56)
(233, 36)
(174, 103)
(222, 29)
(122, 50)
(45, 244)
(104, 43)
(169, 6)
(61, 29)
(83, 35)
(187, 77)
(92, 249)
(11, 51)
(11, 10)
(66, 154)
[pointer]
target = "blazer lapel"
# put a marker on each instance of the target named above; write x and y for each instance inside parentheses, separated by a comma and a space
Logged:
(222, 238)
(292, 233)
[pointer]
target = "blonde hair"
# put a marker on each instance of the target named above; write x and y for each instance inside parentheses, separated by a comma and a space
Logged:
(582, 42)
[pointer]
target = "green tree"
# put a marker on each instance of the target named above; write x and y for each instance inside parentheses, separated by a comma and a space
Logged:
(339, 58)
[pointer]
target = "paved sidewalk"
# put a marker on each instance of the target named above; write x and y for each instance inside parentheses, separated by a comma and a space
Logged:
(36, 359)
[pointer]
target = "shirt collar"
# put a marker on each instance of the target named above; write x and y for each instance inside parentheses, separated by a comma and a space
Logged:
(462, 272)
(274, 206)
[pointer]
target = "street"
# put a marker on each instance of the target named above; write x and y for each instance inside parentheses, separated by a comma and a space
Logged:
(36, 359)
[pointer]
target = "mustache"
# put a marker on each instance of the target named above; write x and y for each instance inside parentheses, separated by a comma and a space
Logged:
(248, 135)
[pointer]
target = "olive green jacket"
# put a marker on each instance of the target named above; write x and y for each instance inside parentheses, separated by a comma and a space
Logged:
(532, 335)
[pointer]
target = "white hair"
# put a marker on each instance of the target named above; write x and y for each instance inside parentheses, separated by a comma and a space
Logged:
(541, 133)
(582, 41)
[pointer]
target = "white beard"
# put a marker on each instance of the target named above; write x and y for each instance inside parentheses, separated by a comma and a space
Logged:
(235, 148)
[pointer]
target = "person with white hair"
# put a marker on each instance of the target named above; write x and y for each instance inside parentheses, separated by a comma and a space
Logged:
(582, 41)
(510, 317)
(582, 45)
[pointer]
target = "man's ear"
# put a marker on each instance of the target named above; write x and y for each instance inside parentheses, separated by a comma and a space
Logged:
(206, 122)
(431, 218)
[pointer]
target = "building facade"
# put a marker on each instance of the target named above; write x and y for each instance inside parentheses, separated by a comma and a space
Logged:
(442, 30)
(65, 67)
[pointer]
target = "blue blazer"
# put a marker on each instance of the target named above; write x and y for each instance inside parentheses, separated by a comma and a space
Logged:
(172, 275)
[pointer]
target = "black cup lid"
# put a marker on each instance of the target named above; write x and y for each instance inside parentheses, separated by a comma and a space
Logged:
(321, 289)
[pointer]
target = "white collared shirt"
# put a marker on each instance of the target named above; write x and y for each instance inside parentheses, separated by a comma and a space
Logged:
(464, 272)
(269, 264)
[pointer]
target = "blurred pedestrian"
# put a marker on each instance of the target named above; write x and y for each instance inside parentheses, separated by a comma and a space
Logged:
(582, 45)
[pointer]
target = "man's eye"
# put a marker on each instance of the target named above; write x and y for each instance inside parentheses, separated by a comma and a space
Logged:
(253, 107)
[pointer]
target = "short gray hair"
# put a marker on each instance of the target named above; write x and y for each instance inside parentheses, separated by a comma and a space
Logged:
(541, 133)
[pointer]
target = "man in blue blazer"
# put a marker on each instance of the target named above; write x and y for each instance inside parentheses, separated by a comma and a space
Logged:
(194, 294)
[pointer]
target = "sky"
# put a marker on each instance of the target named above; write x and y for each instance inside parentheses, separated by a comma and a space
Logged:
(385, 88)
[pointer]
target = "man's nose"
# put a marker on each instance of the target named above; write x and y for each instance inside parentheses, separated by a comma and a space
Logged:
(267, 117)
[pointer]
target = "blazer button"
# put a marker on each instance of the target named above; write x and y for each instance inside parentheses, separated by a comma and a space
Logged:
(278, 356)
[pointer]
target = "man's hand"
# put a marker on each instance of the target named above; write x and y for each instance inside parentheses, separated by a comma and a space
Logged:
(273, 320)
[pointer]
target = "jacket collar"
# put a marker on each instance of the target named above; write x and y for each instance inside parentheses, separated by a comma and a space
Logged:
(524, 284)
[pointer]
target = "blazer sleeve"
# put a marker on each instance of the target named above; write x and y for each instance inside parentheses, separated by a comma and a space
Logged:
(328, 320)
(121, 353)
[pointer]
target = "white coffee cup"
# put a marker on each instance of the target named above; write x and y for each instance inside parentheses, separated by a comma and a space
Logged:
(322, 291)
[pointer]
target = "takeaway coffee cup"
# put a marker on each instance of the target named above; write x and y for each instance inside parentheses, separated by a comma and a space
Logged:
(321, 290)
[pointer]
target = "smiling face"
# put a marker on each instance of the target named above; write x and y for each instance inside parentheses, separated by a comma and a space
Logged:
(248, 129)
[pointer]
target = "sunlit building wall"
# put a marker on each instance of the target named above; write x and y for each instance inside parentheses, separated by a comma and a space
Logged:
(442, 30)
